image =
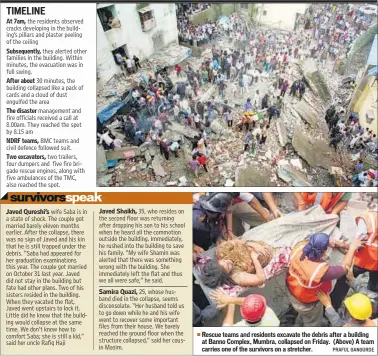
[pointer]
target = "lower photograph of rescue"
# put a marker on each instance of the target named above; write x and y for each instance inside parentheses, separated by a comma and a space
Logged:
(285, 259)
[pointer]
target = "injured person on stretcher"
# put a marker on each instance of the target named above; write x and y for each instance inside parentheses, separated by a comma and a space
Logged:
(263, 252)
(238, 262)
(244, 263)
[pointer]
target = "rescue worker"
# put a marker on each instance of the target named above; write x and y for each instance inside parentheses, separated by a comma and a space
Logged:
(201, 316)
(358, 286)
(365, 260)
(209, 220)
(246, 208)
(269, 201)
(332, 203)
(308, 273)
(253, 310)
(358, 311)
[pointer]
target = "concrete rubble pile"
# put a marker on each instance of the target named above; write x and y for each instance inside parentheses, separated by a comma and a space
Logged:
(296, 152)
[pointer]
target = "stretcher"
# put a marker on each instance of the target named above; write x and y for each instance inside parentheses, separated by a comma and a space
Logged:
(281, 234)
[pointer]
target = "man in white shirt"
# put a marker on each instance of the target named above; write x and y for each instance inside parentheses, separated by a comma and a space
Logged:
(106, 140)
(247, 61)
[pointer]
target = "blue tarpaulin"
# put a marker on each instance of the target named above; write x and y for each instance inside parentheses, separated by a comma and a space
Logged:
(112, 163)
(372, 60)
(109, 111)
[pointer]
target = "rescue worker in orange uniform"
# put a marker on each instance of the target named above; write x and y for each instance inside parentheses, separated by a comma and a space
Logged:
(358, 311)
(332, 203)
(308, 273)
(366, 260)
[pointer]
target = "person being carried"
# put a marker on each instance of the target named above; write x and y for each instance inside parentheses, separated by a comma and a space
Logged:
(238, 262)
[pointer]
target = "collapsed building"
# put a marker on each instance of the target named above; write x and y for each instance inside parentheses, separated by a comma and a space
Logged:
(296, 152)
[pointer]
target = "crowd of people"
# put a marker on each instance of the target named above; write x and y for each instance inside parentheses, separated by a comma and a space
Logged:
(188, 32)
(237, 66)
(218, 220)
(129, 65)
(357, 140)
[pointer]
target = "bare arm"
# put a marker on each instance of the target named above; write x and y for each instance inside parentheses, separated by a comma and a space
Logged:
(339, 207)
(259, 270)
(348, 259)
(229, 220)
(269, 200)
(256, 205)
(229, 319)
(250, 280)
(300, 203)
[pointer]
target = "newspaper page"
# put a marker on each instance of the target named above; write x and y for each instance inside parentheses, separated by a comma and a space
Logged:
(188, 178)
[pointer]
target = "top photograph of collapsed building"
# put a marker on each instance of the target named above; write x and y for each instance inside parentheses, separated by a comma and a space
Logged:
(236, 94)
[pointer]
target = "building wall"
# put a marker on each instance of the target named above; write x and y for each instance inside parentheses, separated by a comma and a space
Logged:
(280, 16)
(212, 13)
(137, 42)
(106, 67)
(367, 101)
(250, 11)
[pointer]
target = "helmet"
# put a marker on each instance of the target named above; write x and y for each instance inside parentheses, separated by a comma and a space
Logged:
(253, 308)
(217, 202)
(359, 306)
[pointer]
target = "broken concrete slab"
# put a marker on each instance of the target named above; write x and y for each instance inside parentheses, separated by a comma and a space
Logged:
(296, 162)
(147, 157)
(142, 166)
(119, 153)
(293, 176)
(314, 152)
(268, 154)
(182, 130)
(102, 163)
(104, 180)
(307, 113)
(316, 82)
(218, 126)
(157, 167)
(153, 151)
(252, 177)
(282, 134)
(336, 171)
(206, 95)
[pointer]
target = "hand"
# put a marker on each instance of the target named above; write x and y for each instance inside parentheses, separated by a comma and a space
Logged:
(350, 275)
(277, 214)
(254, 255)
(230, 235)
(302, 206)
(267, 217)
(221, 298)
(325, 299)
(261, 250)
(197, 249)
(357, 244)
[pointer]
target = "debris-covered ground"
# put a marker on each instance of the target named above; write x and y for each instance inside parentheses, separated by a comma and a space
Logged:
(296, 152)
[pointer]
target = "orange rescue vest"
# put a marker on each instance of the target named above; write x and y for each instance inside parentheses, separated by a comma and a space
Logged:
(303, 278)
(367, 322)
(326, 200)
(367, 256)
